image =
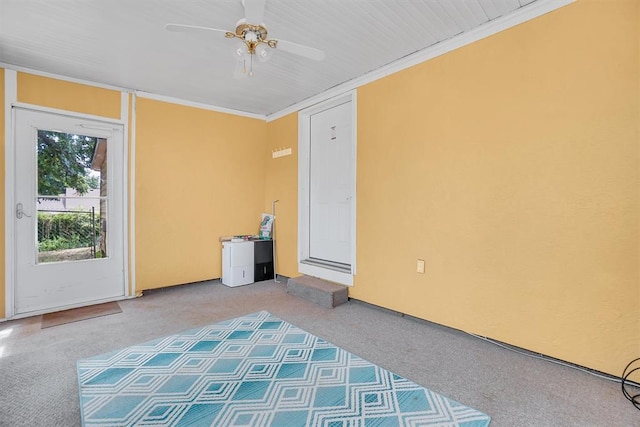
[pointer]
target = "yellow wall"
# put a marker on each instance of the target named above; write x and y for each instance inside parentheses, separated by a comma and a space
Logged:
(2, 205)
(52, 93)
(282, 185)
(199, 175)
(511, 167)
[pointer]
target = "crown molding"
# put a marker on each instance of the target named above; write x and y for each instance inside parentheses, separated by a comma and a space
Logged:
(62, 78)
(524, 14)
(141, 94)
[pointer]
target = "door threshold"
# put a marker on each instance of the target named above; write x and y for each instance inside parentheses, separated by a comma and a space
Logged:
(335, 266)
(65, 307)
(333, 273)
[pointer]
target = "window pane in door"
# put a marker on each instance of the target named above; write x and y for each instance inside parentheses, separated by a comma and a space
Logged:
(71, 203)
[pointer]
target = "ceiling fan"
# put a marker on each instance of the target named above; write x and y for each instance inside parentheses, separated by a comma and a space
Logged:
(251, 38)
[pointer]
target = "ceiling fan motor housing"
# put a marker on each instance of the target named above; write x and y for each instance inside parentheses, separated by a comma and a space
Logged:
(252, 35)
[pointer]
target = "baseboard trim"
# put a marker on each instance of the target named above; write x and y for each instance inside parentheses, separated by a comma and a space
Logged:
(504, 345)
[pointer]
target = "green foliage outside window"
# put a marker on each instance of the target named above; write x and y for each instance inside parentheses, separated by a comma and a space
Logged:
(64, 160)
(66, 231)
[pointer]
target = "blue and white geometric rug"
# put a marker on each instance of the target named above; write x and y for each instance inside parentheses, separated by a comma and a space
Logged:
(255, 370)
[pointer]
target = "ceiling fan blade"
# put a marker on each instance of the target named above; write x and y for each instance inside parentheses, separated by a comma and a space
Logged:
(298, 49)
(180, 28)
(254, 11)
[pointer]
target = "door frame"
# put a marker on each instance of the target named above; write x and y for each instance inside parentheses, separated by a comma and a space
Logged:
(10, 105)
(305, 265)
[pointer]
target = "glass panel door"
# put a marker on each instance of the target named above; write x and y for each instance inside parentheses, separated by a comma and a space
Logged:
(69, 213)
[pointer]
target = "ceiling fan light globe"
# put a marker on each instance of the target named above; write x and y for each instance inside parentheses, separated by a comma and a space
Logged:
(238, 53)
(263, 52)
(239, 49)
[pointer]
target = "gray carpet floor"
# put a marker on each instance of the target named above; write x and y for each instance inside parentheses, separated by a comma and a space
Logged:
(38, 384)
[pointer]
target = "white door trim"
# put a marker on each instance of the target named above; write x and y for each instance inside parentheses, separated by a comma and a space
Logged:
(126, 213)
(10, 98)
(11, 104)
(130, 262)
(304, 144)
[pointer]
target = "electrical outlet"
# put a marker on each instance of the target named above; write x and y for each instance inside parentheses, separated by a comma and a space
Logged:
(420, 266)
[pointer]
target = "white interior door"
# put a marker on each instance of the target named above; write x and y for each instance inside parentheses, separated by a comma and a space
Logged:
(69, 217)
(331, 185)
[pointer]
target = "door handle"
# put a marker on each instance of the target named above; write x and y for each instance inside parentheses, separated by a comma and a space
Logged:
(20, 212)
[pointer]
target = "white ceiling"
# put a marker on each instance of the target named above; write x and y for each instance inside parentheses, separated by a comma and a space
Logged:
(123, 43)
